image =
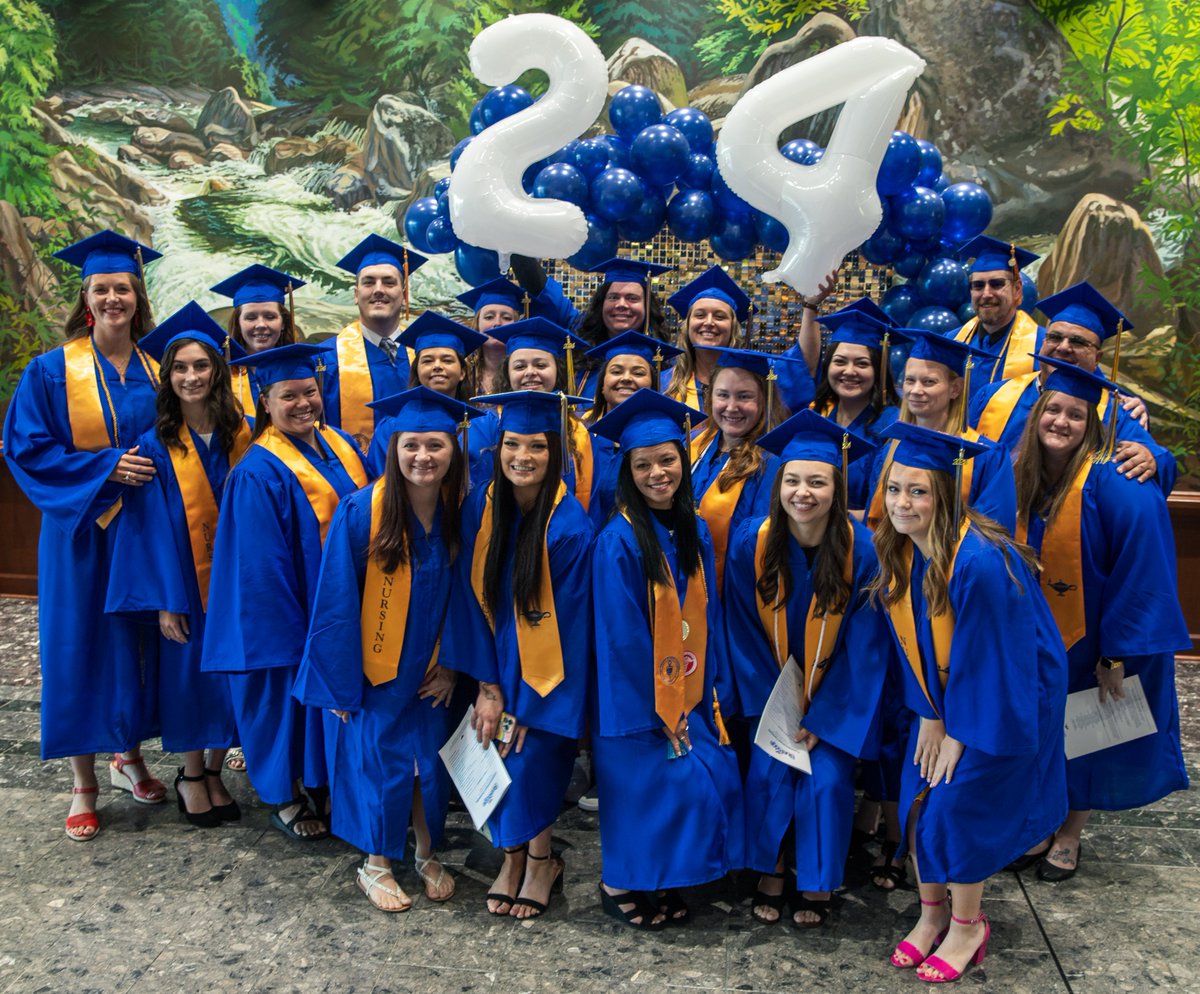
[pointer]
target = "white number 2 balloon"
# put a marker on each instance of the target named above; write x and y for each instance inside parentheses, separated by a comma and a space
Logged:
(831, 207)
(488, 206)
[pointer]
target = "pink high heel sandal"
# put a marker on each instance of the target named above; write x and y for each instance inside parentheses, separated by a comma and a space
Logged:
(912, 952)
(948, 973)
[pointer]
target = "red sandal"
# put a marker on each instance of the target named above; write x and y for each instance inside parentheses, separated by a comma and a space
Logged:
(146, 791)
(85, 819)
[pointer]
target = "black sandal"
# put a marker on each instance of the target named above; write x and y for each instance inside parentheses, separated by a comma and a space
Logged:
(1026, 861)
(821, 908)
(673, 906)
(288, 827)
(555, 887)
(227, 812)
(887, 870)
(505, 898)
(644, 907)
(773, 901)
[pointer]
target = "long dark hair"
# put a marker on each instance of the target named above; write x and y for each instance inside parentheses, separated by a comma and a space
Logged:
(220, 404)
(829, 584)
(504, 385)
(394, 541)
(599, 406)
(681, 519)
(880, 397)
(286, 337)
(143, 318)
(590, 325)
(463, 392)
(527, 556)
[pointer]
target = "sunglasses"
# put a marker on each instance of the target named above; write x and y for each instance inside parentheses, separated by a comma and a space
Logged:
(1075, 341)
(996, 283)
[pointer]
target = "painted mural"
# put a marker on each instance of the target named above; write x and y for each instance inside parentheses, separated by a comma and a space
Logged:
(227, 132)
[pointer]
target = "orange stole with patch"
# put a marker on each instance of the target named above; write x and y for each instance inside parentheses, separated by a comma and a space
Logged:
(1018, 344)
(905, 624)
(876, 509)
(716, 507)
(199, 503)
(820, 632)
(538, 641)
(321, 496)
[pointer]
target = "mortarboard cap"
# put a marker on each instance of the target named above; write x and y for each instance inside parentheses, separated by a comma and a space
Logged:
(1066, 377)
(933, 346)
(629, 270)
(288, 362)
(759, 363)
(992, 255)
(854, 326)
(375, 250)
(647, 418)
(108, 252)
(865, 305)
(1085, 306)
(431, 330)
(713, 284)
(528, 412)
(536, 333)
(633, 343)
(422, 409)
(807, 435)
(924, 448)
(258, 285)
(497, 291)
(193, 323)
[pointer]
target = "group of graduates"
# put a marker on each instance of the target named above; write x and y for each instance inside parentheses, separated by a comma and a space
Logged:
(327, 554)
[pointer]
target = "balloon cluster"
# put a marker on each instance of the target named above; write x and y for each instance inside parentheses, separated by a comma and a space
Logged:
(658, 169)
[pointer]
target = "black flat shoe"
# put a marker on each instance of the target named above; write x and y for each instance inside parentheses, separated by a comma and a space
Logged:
(1028, 860)
(644, 907)
(226, 812)
(1052, 874)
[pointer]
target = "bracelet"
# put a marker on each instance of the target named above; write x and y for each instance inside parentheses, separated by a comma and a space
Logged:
(1111, 664)
(815, 308)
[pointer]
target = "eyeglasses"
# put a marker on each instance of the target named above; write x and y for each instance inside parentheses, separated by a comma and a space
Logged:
(995, 283)
(1075, 341)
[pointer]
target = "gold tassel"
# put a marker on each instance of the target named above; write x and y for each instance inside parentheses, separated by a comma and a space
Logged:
(885, 364)
(966, 394)
(959, 462)
(845, 469)
(406, 286)
(772, 376)
(464, 427)
(525, 303)
(1117, 349)
(646, 305)
(291, 309)
(564, 431)
(569, 349)
(320, 364)
(658, 364)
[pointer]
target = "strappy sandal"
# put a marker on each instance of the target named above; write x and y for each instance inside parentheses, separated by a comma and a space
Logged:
(148, 790)
(556, 886)
(508, 899)
(370, 879)
(85, 819)
(886, 869)
(948, 973)
(226, 812)
(288, 827)
(915, 956)
(235, 760)
(433, 885)
(673, 906)
(763, 899)
(820, 907)
(644, 907)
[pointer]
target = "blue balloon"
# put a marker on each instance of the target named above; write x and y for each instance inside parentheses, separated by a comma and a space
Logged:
(632, 109)
(529, 177)
(659, 154)
(968, 211)
(771, 232)
(416, 220)
(883, 248)
(440, 235)
(475, 120)
(900, 303)
(729, 202)
(931, 164)
(735, 239)
(943, 282)
(937, 319)
(590, 157)
(502, 102)
(646, 222)
(941, 184)
(901, 163)
(458, 151)
(695, 126)
(441, 186)
(601, 244)
(697, 174)
(617, 193)
(566, 153)
(966, 312)
(803, 151)
(691, 215)
(476, 265)
(443, 205)
(909, 263)
(618, 152)
(917, 214)
(897, 359)
(1029, 290)
(561, 181)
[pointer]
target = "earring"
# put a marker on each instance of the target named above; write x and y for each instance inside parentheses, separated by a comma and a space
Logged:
(89, 317)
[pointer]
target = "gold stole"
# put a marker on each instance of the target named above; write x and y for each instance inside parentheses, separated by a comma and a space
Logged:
(354, 383)
(583, 464)
(820, 633)
(85, 412)
(321, 496)
(877, 509)
(1062, 561)
(243, 392)
(1018, 344)
(199, 504)
(716, 508)
(1000, 405)
(690, 394)
(901, 614)
(538, 641)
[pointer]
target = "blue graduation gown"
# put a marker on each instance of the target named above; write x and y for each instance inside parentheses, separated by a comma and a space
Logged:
(388, 376)
(541, 772)
(1128, 429)
(663, 822)
(844, 713)
(99, 671)
(794, 383)
(390, 732)
(606, 467)
(981, 374)
(482, 438)
(1132, 613)
(1004, 700)
(264, 578)
(159, 574)
(871, 427)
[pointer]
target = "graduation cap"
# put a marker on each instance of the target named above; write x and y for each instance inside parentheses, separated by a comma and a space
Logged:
(712, 284)
(924, 448)
(431, 331)
(498, 291)
(259, 285)
(1084, 305)
(629, 271)
(865, 305)
(537, 333)
(422, 409)
(288, 362)
(528, 412)
(1066, 377)
(375, 250)
(647, 418)
(190, 323)
(760, 363)
(108, 252)
(933, 346)
(991, 255)
(634, 343)
(806, 435)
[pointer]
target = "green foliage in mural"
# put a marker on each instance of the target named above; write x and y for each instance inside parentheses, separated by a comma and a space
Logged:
(27, 66)
(355, 50)
(165, 42)
(670, 26)
(738, 31)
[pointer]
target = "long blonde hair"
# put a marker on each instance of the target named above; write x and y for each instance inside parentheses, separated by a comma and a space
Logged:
(1034, 493)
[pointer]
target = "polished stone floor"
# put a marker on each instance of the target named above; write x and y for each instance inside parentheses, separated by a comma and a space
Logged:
(154, 905)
